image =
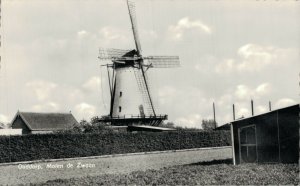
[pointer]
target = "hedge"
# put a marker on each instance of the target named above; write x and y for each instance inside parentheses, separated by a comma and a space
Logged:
(53, 146)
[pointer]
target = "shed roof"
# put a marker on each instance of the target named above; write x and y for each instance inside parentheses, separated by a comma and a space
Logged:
(236, 121)
(47, 121)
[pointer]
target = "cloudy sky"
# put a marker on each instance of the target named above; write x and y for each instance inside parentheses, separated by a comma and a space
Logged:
(230, 52)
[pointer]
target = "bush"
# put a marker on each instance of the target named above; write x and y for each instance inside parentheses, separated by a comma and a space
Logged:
(67, 145)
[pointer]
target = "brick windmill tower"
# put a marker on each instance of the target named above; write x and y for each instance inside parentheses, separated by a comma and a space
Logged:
(131, 101)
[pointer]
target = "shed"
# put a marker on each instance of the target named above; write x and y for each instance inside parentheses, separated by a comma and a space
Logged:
(271, 137)
(37, 123)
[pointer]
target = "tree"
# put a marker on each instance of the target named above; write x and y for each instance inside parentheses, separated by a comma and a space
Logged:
(208, 124)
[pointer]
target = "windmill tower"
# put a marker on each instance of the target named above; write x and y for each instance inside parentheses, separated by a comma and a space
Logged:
(131, 101)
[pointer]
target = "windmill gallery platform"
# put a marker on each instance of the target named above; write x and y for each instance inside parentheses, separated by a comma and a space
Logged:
(130, 120)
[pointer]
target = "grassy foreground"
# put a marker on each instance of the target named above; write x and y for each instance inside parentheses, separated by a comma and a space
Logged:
(207, 173)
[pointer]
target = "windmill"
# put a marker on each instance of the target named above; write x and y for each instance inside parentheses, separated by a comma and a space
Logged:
(128, 74)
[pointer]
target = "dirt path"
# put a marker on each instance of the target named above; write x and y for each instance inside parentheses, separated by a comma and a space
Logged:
(35, 172)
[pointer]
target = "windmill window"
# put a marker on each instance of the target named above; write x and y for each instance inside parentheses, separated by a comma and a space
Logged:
(120, 108)
(121, 93)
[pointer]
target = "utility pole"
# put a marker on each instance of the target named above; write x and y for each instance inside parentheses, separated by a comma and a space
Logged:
(252, 107)
(214, 112)
(233, 110)
(270, 107)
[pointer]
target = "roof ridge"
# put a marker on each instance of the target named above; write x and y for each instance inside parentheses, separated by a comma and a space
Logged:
(45, 112)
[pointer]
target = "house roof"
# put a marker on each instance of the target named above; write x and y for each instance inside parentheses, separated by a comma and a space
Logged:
(47, 121)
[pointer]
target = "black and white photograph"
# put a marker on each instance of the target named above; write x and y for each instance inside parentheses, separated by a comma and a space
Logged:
(149, 92)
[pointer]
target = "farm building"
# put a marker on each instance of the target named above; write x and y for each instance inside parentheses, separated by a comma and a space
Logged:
(38, 123)
(269, 137)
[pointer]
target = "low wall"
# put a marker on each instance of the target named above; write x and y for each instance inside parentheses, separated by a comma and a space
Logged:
(10, 132)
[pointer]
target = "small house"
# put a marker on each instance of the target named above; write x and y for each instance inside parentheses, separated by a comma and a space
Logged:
(271, 137)
(38, 123)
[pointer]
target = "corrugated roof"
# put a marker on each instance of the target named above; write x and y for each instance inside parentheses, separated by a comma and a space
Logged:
(48, 121)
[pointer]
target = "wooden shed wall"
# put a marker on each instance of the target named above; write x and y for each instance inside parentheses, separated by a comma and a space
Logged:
(277, 136)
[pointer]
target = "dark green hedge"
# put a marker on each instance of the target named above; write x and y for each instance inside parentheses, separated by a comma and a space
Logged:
(51, 146)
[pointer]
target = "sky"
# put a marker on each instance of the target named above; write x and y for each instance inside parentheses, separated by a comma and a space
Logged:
(230, 52)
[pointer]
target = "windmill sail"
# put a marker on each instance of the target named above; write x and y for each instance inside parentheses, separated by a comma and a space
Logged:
(131, 9)
(144, 91)
(163, 61)
(112, 53)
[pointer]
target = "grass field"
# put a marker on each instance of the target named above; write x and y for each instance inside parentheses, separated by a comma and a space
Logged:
(205, 173)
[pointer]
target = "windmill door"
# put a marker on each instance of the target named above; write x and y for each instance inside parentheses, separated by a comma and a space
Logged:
(247, 144)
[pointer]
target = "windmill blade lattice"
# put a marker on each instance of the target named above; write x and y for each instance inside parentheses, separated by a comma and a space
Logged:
(111, 53)
(143, 90)
(131, 9)
(163, 61)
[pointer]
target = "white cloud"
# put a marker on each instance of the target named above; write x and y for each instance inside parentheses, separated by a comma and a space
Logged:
(284, 102)
(227, 65)
(263, 89)
(185, 24)
(244, 92)
(151, 34)
(4, 119)
(85, 110)
(225, 100)
(110, 33)
(42, 89)
(242, 112)
(261, 109)
(92, 84)
(192, 120)
(254, 57)
(82, 34)
(46, 107)
(166, 93)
